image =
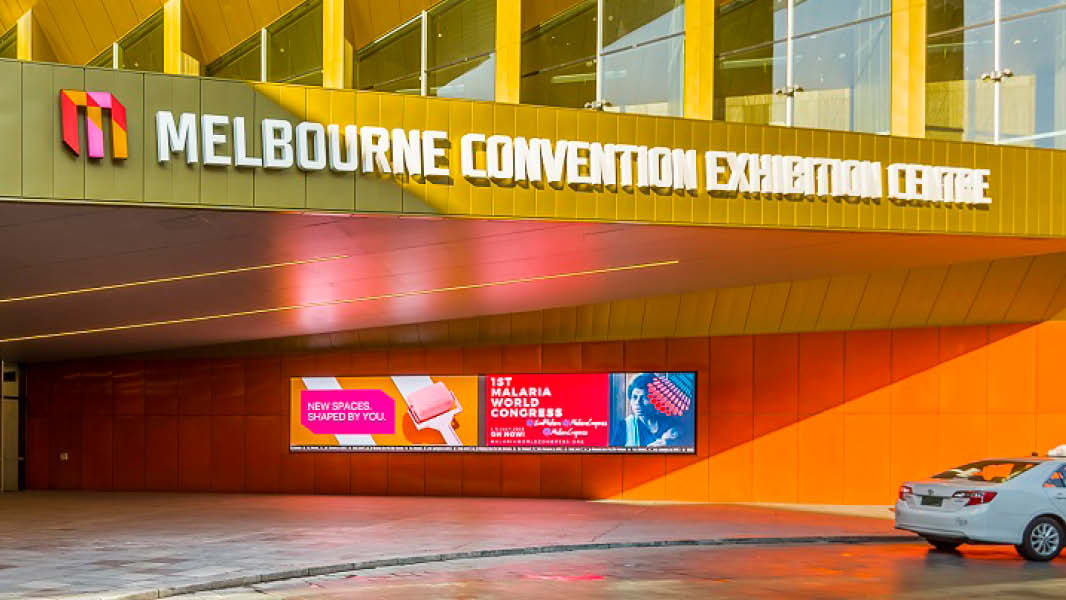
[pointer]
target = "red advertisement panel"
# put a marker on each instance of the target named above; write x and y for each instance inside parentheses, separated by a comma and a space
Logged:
(546, 410)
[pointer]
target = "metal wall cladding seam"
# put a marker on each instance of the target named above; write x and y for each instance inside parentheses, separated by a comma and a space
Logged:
(175, 182)
(11, 129)
(122, 181)
(235, 187)
(1026, 198)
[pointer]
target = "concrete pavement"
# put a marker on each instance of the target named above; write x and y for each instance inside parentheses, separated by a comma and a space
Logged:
(899, 571)
(56, 545)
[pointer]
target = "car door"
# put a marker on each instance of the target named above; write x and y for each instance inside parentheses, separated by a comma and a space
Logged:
(1055, 488)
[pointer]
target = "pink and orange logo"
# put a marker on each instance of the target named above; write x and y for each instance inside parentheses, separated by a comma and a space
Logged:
(94, 103)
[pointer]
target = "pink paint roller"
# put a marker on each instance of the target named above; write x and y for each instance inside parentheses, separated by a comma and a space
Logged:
(433, 407)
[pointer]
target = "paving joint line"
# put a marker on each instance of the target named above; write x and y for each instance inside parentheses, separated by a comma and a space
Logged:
(249, 580)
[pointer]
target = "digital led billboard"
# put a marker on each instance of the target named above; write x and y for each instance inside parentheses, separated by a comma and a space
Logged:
(496, 412)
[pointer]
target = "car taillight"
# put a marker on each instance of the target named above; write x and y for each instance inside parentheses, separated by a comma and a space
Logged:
(973, 498)
(905, 492)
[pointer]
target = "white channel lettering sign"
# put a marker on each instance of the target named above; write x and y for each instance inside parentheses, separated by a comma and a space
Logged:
(583, 165)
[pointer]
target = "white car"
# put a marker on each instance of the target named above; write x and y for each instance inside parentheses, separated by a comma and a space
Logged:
(1019, 501)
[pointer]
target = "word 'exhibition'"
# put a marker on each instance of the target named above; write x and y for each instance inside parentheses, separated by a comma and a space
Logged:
(313, 146)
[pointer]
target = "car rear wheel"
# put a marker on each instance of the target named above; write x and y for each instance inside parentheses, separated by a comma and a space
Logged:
(942, 544)
(1042, 541)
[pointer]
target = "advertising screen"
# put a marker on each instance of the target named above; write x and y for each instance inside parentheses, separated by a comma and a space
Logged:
(496, 412)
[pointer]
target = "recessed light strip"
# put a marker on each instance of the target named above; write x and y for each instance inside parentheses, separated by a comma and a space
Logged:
(260, 311)
(117, 286)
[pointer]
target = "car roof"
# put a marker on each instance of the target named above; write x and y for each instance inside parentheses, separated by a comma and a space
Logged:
(1032, 459)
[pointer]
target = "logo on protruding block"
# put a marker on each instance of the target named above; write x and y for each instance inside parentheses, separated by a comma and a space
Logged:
(94, 103)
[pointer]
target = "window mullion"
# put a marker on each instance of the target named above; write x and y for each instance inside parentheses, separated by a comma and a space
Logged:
(790, 105)
(997, 68)
(599, 53)
(263, 54)
(424, 77)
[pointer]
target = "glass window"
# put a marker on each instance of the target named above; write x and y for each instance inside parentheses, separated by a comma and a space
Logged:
(643, 56)
(294, 46)
(742, 24)
(992, 471)
(1017, 100)
(640, 67)
(1033, 100)
(460, 50)
(846, 76)
(1017, 7)
(105, 59)
(627, 23)
(647, 79)
(559, 60)
(393, 63)
(745, 82)
(945, 15)
(243, 62)
(1057, 479)
(958, 104)
(816, 15)
(142, 48)
(9, 44)
(840, 56)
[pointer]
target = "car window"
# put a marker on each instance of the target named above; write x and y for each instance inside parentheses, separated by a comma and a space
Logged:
(992, 471)
(1057, 479)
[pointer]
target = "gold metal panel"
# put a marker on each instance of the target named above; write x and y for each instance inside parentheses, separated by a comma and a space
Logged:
(959, 289)
(694, 313)
(11, 129)
(508, 49)
(916, 300)
(908, 67)
(327, 190)
(699, 59)
(123, 181)
(661, 316)
(1035, 293)
(235, 187)
(998, 290)
(842, 301)
(767, 307)
(626, 319)
(731, 310)
(879, 299)
(173, 182)
(804, 305)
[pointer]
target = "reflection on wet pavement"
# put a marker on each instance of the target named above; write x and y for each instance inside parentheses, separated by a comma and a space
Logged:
(797, 571)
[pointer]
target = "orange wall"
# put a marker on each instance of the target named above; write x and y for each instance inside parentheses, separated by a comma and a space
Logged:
(838, 417)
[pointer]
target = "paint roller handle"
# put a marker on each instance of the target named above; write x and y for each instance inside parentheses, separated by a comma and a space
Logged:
(450, 437)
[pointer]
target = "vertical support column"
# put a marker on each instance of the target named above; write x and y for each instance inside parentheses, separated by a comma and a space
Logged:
(24, 50)
(699, 59)
(908, 67)
(336, 48)
(180, 49)
(508, 50)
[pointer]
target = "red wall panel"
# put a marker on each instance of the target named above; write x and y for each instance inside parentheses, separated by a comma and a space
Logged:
(128, 387)
(194, 388)
(332, 474)
(161, 453)
(161, 387)
(97, 443)
(194, 453)
(265, 441)
(130, 452)
(227, 454)
(227, 387)
(834, 408)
